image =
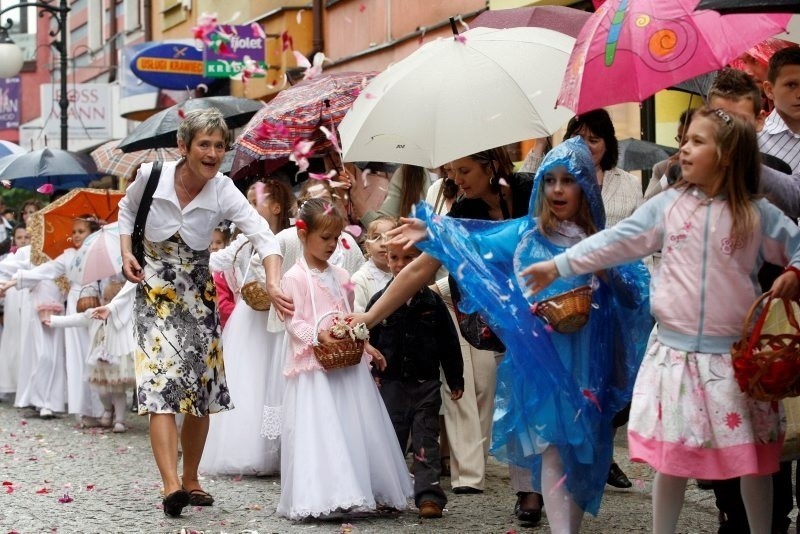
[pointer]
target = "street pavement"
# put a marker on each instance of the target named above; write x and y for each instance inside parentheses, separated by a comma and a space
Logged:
(59, 478)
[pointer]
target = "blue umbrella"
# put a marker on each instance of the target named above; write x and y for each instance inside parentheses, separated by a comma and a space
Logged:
(61, 168)
(8, 148)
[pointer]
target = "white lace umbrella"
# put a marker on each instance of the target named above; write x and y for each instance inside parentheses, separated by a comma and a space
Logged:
(459, 95)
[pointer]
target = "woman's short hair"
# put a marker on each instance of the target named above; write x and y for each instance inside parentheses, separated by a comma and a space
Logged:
(202, 121)
(597, 121)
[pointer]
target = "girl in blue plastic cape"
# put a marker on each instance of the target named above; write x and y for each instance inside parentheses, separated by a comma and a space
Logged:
(556, 393)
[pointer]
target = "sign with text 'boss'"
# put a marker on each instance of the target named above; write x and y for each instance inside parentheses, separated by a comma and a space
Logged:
(89, 113)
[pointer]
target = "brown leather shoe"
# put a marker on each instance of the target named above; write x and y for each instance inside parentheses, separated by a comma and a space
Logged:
(430, 510)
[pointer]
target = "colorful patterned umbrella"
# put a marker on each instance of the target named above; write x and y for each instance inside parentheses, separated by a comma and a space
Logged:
(296, 114)
(111, 160)
(54, 234)
(630, 49)
(559, 18)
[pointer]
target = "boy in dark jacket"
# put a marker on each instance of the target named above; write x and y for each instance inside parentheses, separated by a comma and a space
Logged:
(415, 339)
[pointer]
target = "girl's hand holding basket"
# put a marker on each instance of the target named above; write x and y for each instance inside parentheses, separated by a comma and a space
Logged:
(787, 285)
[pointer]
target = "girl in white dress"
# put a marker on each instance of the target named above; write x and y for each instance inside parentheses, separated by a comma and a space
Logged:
(110, 357)
(374, 274)
(339, 453)
(10, 339)
(234, 445)
(81, 399)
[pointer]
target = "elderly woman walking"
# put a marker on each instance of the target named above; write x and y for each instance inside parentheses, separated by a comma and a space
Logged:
(179, 366)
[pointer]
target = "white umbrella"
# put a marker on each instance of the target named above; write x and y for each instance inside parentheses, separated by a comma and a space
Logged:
(460, 95)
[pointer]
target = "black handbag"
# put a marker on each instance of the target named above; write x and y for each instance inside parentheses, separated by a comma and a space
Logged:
(137, 237)
(472, 326)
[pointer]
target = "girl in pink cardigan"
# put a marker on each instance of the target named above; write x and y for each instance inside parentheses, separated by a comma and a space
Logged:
(338, 448)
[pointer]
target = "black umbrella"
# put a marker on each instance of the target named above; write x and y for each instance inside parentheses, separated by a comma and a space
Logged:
(635, 154)
(61, 168)
(750, 6)
(161, 130)
(699, 85)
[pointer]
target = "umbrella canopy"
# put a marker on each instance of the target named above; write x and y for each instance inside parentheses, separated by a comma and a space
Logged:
(631, 49)
(161, 130)
(61, 168)
(296, 114)
(457, 96)
(636, 155)
(562, 19)
(111, 160)
(8, 148)
(99, 256)
(751, 6)
(54, 234)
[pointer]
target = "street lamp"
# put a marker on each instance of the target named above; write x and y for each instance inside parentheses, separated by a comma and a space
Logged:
(11, 55)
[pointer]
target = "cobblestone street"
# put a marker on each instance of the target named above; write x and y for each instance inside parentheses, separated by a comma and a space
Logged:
(57, 477)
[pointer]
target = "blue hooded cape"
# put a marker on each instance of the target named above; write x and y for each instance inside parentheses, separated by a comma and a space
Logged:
(553, 389)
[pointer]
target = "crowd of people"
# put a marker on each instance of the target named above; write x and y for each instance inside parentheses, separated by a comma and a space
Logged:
(227, 299)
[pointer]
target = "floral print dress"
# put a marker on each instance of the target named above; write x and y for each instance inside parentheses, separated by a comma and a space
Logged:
(179, 366)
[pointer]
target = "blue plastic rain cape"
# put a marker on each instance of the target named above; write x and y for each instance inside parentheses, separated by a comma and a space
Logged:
(552, 389)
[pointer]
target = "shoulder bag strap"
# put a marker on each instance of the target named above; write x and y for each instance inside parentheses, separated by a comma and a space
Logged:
(147, 199)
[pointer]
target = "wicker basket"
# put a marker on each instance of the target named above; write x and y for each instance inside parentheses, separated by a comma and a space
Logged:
(342, 353)
(256, 296)
(88, 298)
(111, 290)
(253, 292)
(567, 312)
(766, 361)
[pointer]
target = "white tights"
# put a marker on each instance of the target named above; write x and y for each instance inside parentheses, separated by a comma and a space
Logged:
(563, 515)
(668, 493)
(116, 402)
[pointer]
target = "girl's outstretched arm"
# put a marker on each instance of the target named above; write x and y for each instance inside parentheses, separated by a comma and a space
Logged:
(540, 275)
(787, 285)
(409, 233)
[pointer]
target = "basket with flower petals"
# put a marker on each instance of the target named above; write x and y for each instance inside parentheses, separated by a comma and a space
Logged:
(348, 348)
(566, 312)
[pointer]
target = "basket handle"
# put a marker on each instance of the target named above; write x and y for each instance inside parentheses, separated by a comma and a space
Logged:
(249, 263)
(759, 324)
(319, 322)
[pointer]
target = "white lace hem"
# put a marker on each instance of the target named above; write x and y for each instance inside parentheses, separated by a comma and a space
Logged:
(271, 422)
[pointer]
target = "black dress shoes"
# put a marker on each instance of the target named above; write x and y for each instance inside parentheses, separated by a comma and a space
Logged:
(617, 478)
(523, 509)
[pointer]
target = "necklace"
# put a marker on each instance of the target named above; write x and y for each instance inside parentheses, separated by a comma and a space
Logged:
(188, 194)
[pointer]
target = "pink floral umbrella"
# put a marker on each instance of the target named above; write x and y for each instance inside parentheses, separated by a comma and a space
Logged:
(630, 49)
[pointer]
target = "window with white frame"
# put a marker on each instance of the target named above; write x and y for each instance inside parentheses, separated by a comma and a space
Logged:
(133, 14)
(94, 23)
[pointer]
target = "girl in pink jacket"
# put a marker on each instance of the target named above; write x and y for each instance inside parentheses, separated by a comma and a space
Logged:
(689, 418)
(339, 452)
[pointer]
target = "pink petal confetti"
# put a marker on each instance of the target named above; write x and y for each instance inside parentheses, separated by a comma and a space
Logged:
(349, 286)
(512, 531)
(560, 483)
(65, 499)
(43, 491)
(364, 174)
(639, 484)
(369, 96)
(548, 328)
(287, 43)
(301, 150)
(362, 8)
(9, 489)
(323, 177)
(300, 16)
(237, 478)
(6, 184)
(345, 244)
(258, 30)
(181, 114)
(461, 39)
(89, 487)
(353, 229)
(502, 181)
(7, 483)
(330, 135)
(593, 398)
(421, 456)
